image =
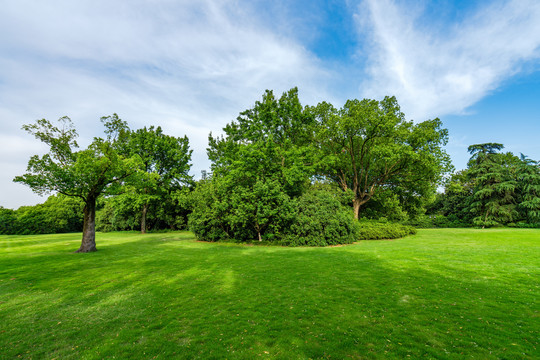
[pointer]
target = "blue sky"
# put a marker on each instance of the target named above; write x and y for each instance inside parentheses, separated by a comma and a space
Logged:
(192, 66)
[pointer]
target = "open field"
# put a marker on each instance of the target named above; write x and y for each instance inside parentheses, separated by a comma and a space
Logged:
(441, 294)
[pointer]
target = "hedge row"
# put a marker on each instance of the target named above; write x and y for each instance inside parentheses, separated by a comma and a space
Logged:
(372, 230)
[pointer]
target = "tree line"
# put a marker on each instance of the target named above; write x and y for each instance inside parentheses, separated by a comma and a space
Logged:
(496, 189)
(281, 172)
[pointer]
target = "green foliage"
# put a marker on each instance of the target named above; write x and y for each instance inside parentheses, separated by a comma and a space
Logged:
(497, 189)
(83, 173)
(387, 204)
(8, 221)
(166, 163)
(259, 166)
(320, 219)
(368, 146)
(264, 212)
(378, 230)
(270, 142)
(86, 174)
(437, 221)
(528, 178)
(494, 190)
(207, 220)
(58, 214)
(123, 212)
(223, 211)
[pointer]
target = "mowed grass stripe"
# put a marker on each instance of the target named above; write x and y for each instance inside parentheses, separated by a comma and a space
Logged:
(452, 294)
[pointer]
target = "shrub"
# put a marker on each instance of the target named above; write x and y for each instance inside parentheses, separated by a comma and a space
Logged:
(375, 230)
(8, 221)
(321, 220)
(58, 214)
(264, 211)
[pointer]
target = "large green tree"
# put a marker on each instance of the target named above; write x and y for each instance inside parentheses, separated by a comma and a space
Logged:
(260, 163)
(86, 174)
(368, 146)
(166, 163)
(495, 186)
(270, 140)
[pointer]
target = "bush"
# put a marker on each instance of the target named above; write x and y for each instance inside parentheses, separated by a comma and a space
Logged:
(437, 221)
(375, 230)
(321, 220)
(8, 221)
(264, 211)
(58, 214)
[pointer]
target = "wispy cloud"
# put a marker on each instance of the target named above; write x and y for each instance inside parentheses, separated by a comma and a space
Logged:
(436, 68)
(189, 66)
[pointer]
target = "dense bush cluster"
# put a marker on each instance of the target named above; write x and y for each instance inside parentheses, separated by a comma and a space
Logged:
(59, 214)
(376, 230)
(268, 214)
(320, 219)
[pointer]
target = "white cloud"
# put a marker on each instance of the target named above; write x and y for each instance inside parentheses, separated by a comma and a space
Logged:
(189, 66)
(436, 69)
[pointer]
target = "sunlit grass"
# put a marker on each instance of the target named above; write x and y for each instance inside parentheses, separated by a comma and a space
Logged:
(444, 294)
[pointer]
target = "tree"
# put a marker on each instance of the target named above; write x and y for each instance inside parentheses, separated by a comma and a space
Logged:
(166, 163)
(456, 200)
(271, 140)
(528, 178)
(495, 185)
(262, 162)
(482, 152)
(86, 174)
(368, 146)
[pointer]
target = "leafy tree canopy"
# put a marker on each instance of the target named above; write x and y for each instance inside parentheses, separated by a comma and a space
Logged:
(86, 174)
(166, 163)
(368, 146)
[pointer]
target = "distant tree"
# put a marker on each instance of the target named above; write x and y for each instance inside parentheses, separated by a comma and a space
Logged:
(495, 187)
(166, 163)
(456, 200)
(482, 152)
(368, 146)
(86, 174)
(8, 221)
(528, 178)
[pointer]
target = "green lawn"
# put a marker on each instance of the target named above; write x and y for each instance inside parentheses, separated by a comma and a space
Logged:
(441, 294)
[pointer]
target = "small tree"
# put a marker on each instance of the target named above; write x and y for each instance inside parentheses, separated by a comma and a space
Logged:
(86, 174)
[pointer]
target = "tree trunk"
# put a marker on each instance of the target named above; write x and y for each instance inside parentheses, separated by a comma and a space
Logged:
(88, 243)
(143, 218)
(356, 206)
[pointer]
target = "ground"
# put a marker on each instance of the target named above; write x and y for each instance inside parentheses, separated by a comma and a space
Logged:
(444, 294)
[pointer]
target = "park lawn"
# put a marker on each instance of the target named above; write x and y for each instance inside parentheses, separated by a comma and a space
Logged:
(440, 294)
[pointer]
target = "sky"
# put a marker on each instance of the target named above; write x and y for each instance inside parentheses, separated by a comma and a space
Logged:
(191, 66)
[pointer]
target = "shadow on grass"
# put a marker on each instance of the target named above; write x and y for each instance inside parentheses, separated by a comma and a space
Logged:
(166, 297)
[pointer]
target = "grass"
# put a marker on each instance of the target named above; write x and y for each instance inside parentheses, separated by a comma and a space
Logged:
(440, 294)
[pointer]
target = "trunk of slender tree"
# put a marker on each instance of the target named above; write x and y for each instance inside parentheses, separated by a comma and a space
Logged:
(143, 218)
(356, 206)
(88, 243)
